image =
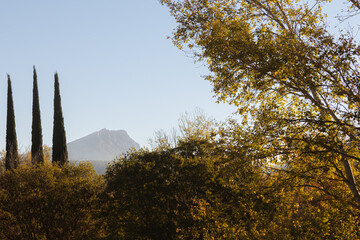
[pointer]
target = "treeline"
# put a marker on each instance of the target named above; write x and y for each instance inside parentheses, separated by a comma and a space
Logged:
(203, 185)
(59, 147)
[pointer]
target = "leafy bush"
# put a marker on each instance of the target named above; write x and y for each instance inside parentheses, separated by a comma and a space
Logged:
(181, 193)
(49, 202)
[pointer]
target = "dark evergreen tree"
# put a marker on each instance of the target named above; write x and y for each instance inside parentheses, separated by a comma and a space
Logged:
(59, 149)
(12, 158)
(37, 154)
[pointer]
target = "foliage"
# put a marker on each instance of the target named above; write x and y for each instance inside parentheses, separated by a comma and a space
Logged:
(192, 126)
(59, 154)
(217, 188)
(11, 160)
(312, 201)
(48, 202)
(294, 83)
(37, 154)
(287, 171)
(25, 157)
(305, 197)
(181, 194)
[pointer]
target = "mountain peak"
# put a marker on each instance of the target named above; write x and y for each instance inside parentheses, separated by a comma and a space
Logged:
(102, 145)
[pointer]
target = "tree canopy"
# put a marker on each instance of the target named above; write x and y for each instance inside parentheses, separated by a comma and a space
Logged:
(49, 202)
(295, 83)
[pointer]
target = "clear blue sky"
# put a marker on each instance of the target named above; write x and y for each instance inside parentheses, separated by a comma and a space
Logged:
(116, 67)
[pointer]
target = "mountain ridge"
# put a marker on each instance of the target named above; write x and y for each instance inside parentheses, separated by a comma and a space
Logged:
(102, 145)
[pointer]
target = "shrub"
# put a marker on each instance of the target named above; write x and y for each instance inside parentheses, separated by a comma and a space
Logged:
(48, 202)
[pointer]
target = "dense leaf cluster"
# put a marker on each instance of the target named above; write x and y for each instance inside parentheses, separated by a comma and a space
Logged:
(48, 202)
(295, 83)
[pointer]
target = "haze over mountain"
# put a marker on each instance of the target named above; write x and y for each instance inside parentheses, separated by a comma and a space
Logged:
(103, 145)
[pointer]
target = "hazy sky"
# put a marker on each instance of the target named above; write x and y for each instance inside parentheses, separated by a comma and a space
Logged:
(116, 67)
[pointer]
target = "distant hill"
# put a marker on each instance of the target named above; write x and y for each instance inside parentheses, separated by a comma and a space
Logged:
(103, 145)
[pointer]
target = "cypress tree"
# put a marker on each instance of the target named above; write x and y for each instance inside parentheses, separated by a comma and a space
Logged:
(37, 154)
(59, 149)
(12, 158)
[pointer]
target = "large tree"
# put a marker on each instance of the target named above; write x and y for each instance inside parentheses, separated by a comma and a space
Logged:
(11, 159)
(296, 84)
(37, 154)
(208, 186)
(183, 193)
(59, 149)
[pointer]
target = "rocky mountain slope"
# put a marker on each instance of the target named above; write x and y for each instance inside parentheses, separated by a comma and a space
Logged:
(103, 145)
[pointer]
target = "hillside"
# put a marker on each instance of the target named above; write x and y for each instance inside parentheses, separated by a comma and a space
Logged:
(103, 145)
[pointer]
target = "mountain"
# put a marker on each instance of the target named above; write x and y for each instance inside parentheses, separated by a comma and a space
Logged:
(103, 145)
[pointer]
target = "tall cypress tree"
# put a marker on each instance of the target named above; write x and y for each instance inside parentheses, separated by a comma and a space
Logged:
(37, 154)
(59, 149)
(12, 158)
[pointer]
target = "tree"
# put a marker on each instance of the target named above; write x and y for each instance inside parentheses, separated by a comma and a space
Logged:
(59, 149)
(181, 193)
(192, 126)
(294, 83)
(37, 153)
(356, 4)
(11, 159)
(49, 202)
(198, 188)
(214, 187)
(312, 202)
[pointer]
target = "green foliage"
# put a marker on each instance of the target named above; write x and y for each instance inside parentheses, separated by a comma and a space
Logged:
(60, 154)
(213, 187)
(189, 192)
(295, 84)
(48, 202)
(11, 160)
(37, 154)
(288, 171)
(246, 198)
(312, 200)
